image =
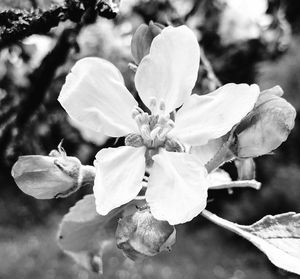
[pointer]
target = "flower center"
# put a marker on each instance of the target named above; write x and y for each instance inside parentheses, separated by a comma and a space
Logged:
(154, 127)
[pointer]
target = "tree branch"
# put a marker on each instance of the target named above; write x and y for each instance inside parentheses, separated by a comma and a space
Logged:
(18, 24)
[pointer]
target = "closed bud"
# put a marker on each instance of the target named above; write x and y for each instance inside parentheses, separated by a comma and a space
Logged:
(265, 127)
(47, 177)
(140, 235)
(142, 39)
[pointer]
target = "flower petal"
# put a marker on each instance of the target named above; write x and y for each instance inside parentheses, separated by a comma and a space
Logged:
(210, 116)
(177, 187)
(97, 138)
(119, 175)
(94, 94)
(170, 71)
(207, 151)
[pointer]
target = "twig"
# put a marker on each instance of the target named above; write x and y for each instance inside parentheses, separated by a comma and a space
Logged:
(238, 184)
(197, 4)
(20, 24)
(209, 70)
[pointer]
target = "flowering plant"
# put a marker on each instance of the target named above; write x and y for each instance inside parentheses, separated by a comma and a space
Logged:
(175, 143)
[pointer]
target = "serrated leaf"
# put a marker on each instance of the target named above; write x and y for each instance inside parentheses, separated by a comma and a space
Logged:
(84, 234)
(277, 236)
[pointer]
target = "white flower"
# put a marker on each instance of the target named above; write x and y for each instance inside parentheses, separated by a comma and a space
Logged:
(94, 94)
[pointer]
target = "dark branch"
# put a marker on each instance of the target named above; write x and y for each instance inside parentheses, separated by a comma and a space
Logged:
(41, 78)
(18, 24)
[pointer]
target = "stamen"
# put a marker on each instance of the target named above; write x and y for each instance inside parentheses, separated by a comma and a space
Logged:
(139, 120)
(162, 107)
(145, 132)
(139, 110)
(168, 127)
(155, 132)
(135, 112)
(145, 118)
(171, 123)
(153, 128)
(153, 105)
(162, 120)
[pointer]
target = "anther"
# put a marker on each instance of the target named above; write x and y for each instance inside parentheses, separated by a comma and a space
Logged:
(135, 112)
(145, 118)
(134, 140)
(153, 105)
(162, 106)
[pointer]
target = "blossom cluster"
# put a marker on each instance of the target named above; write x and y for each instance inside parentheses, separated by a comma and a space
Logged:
(175, 139)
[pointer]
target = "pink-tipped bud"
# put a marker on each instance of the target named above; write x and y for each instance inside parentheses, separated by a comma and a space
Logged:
(142, 39)
(140, 235)
(47, 177)
(265, 127)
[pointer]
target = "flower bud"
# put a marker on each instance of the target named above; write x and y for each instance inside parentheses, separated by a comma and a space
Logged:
(142, 39)
(265, 127)
(47, 177)
(140, 235)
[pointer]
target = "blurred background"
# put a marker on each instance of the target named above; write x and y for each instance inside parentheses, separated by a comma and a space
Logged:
(253, 41)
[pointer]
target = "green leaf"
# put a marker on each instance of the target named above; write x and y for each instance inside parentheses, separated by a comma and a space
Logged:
(84, 234)
(277, 236)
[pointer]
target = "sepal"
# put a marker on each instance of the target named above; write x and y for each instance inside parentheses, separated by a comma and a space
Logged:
(142, 39)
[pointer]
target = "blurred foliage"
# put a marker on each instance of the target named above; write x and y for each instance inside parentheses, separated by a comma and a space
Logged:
(26, 224)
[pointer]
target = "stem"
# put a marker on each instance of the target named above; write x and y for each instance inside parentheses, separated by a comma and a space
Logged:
(234, 184)
(233, 227)
(88, 175)
(210, 72)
